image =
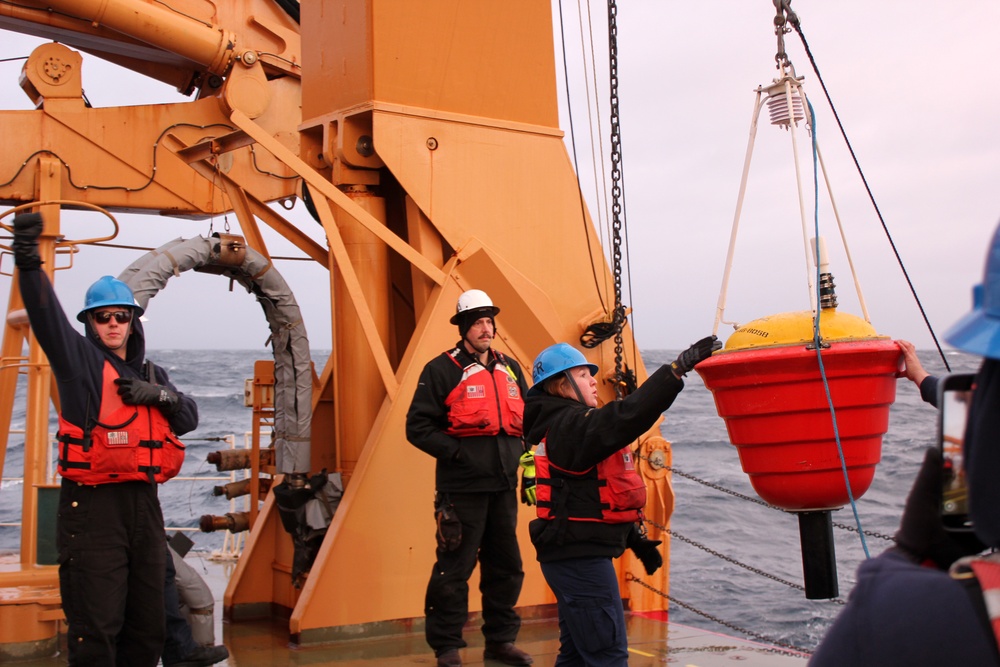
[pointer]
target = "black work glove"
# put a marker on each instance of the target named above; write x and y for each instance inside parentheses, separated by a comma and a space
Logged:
(700, 351)
(27, 228)
(139, 392)
(645, 550)
(921, 533)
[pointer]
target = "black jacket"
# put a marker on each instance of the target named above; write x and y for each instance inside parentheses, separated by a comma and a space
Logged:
(577, 438)
(474, 464)
(901, 614)
(77, 361)
(928, 389)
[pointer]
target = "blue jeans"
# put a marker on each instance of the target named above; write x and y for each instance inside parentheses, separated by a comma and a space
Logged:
(591, 618)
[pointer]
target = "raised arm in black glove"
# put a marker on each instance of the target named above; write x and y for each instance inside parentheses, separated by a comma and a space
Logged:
(921, 533)
(139, 392)
(700, 351)
(27, 228)
(646, 551)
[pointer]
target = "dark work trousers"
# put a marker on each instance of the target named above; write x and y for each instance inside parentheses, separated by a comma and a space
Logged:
(180, 642)
(111, 567)
(591, 618)
(489, 523)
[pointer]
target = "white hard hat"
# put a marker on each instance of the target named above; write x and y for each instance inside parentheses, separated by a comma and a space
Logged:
(473, 299)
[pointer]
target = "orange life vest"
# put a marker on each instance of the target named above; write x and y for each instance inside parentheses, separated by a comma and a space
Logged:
(127, 442)
(610, 492)
(483, 403)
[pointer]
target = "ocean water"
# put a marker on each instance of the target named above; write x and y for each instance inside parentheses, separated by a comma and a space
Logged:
(711, 585)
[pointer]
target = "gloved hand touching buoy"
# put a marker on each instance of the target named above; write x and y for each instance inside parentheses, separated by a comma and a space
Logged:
(698, 352)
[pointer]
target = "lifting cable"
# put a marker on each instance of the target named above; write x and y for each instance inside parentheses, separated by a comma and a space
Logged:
(576, 161)
(617, 185)
(624, 379)
(783, 16)
(784, 9)
(817, 341)
(598, 332)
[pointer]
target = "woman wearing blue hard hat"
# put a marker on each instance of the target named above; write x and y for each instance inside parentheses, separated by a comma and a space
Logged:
(588, 495)
(929, 599)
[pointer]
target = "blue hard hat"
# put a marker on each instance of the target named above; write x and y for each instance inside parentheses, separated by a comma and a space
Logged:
(554, 360)
(979, 331)
(108, 291)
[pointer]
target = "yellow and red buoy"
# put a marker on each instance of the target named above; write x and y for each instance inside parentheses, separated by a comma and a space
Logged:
(769, 390)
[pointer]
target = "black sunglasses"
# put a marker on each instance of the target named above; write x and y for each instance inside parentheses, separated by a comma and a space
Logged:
(121, 316)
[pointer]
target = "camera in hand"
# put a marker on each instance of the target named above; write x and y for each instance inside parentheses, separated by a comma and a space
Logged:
(954, 398)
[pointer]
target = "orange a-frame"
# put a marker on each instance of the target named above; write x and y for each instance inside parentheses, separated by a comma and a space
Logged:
(426, 134)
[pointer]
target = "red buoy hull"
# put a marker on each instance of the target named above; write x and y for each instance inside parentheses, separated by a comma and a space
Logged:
(776, 410)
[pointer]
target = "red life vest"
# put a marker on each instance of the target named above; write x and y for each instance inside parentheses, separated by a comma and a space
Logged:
(987, 571)
(127, 443)
(610, 492)
(483, 403)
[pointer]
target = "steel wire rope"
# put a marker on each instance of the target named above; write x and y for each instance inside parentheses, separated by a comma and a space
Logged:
(597, 157)
(793, 19)
(576, 163)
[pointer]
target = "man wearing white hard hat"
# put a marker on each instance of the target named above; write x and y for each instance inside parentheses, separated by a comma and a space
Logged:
(467, 413)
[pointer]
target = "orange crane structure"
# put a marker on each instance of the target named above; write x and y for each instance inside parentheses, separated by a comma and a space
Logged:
(426, 137)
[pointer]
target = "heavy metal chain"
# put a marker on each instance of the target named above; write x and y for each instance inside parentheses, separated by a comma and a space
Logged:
(723, 489)
(618, 317)
(736, 494)
(792, 649)
(870, 533)
(729, 559)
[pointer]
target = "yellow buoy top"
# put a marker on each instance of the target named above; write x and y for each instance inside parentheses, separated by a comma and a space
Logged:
(797, 328)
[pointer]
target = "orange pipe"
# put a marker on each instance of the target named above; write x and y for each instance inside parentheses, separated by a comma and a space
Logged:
(207, 45)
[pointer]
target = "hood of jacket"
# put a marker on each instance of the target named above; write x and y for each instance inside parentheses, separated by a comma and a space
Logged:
(543, 410)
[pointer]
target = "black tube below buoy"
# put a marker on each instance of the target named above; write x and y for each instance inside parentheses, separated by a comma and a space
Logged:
(819, 562)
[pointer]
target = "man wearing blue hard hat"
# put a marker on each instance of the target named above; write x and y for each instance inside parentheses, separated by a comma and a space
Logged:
(589, 497)
(118, 423)
(930, 599)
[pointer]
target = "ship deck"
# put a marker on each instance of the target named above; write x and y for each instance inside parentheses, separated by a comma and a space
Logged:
(652, 641)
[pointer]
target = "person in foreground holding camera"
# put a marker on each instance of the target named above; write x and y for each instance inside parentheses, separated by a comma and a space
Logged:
(588, 494)
(926, 600)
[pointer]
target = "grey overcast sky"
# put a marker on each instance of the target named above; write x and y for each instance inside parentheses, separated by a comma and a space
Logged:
(916, 85)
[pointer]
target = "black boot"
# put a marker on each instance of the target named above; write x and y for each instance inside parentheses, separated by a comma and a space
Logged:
(203, 656)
